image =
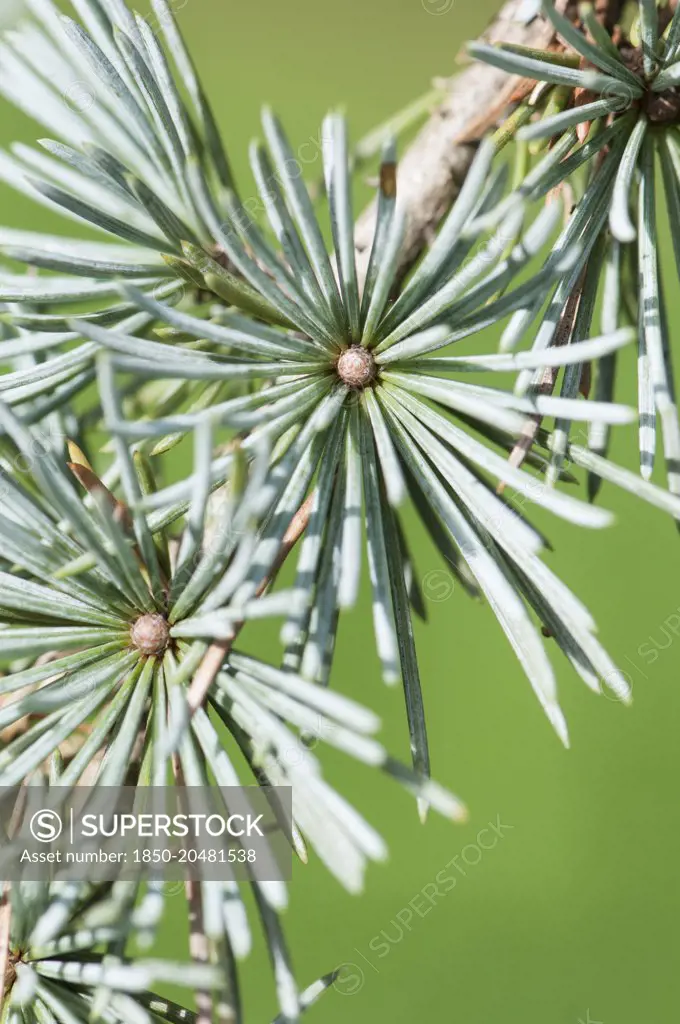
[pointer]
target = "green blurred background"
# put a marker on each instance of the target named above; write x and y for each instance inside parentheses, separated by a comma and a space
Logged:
(572, 915)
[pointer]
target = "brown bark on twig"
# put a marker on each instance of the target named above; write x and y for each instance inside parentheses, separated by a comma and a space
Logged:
(7, 969)
(199, 947)
(546, 385)
(217, 652)
(435, 166)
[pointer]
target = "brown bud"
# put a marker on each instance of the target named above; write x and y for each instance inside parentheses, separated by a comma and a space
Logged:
(356, 367)
(150, 634)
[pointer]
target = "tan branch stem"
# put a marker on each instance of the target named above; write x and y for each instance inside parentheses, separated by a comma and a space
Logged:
(7, 971)
(546, 385)
(199, 947)
(217, 652)
(434, 168)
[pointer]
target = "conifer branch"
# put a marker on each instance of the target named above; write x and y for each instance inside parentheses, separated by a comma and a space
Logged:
(434, 168)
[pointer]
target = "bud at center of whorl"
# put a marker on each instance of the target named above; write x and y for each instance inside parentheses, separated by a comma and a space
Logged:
(356, 367)
(150, 634)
